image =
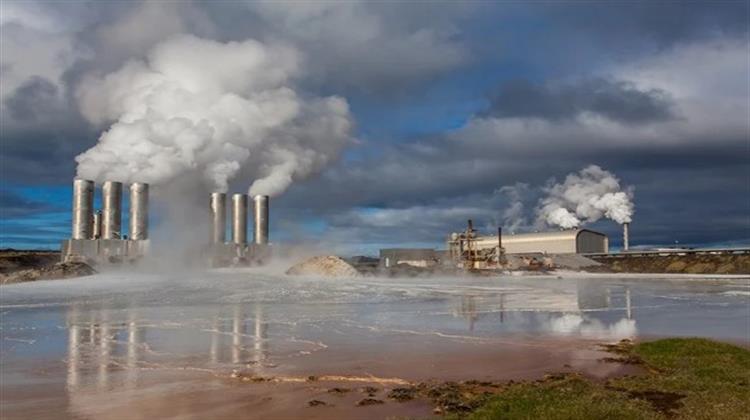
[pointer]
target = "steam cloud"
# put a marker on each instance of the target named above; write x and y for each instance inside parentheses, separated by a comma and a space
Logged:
(585, 197)
(211, 109)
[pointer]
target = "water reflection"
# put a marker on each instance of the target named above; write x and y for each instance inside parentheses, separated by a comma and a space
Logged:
(110, 348)
(589, 309)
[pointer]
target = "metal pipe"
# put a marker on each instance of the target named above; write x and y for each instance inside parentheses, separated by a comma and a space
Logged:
(111, 210)
(83, 209)
(139, 211)
(97, 233)
(625, 236)
(239, 219)
(219, 217)
(260, 225)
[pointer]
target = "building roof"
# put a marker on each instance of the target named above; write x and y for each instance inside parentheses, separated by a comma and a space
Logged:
(569, 234)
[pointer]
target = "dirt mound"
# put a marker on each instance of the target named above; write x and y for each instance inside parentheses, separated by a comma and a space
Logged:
(55, 271)
(328, 266)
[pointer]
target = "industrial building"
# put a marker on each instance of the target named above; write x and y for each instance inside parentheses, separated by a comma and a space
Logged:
(98, 237)
(417, 257)
(238, 250)
(573, 241)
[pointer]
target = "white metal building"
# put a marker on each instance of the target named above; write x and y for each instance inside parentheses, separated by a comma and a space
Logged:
(574, 241)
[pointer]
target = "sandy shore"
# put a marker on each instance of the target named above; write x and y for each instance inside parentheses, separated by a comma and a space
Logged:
(336, 380)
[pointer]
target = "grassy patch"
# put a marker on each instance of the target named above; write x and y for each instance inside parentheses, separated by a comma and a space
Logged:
(714, 378)
(687, 378)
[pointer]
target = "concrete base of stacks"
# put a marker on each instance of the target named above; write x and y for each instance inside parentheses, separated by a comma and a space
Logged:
(102, 251)
(230, 254)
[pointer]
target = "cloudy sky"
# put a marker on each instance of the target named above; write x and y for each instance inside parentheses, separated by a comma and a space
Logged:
(381, 124)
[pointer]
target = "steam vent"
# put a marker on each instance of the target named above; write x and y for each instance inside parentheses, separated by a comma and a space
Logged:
(235, 249)
(98, 237)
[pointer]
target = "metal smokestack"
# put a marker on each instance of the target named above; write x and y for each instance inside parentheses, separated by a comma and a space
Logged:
(139, 211)
(625, 236)
(219, 217)
(97, 225)
(260, 225)
(83, 209)
(111, 227)
(239, 219)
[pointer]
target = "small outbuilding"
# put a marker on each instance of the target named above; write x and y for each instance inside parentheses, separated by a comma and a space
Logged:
(417, 257)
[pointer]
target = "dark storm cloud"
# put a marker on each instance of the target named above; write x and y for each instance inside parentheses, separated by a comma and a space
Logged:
(688, 164)
(32, 100)
(13, 205)
(616, 100)
(666, 22)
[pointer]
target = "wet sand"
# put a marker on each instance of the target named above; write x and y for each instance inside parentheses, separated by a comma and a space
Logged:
(191, 388)
(179, 347)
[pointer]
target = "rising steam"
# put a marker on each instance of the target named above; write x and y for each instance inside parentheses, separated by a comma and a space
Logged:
(585, 197)
(211, 109)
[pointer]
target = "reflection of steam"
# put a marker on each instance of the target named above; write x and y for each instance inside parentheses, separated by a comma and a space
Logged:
(588, 327)
(628, 304)
(561, 310)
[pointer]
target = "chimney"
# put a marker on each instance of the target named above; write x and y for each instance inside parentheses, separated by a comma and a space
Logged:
(239, 219)
(500, 237)
(97, 225)
(138, 211)
(111, 219)
(83, 209)
(260, 225)
(219, 217)
(625, 236)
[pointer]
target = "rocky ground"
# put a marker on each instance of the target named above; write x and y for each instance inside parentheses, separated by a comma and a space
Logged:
(683, 264)
(22, 266)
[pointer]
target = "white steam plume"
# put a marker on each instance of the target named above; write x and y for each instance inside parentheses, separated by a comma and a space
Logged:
(513, 218)
(585, 197)
(216, 110)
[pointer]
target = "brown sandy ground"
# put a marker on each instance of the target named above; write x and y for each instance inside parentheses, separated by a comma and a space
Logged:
(22, 266)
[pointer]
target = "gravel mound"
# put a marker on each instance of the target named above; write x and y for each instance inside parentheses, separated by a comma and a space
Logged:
(327, 266)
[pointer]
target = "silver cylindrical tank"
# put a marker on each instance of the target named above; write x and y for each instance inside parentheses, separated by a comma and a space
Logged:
(219, 217)
(139, 211)
(83, 209)
(111, 210)
(97, 232)
(239, 219)
(260, 225)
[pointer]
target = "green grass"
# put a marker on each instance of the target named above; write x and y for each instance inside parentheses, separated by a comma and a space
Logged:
(686, 378)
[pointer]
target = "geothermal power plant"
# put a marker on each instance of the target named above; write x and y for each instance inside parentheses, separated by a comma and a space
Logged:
(97, 236)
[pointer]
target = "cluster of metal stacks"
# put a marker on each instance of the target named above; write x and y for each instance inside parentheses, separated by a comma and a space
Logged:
(238, 250)
(97, 237)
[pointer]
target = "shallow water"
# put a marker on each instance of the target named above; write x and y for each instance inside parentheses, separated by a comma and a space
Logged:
(69, 347)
